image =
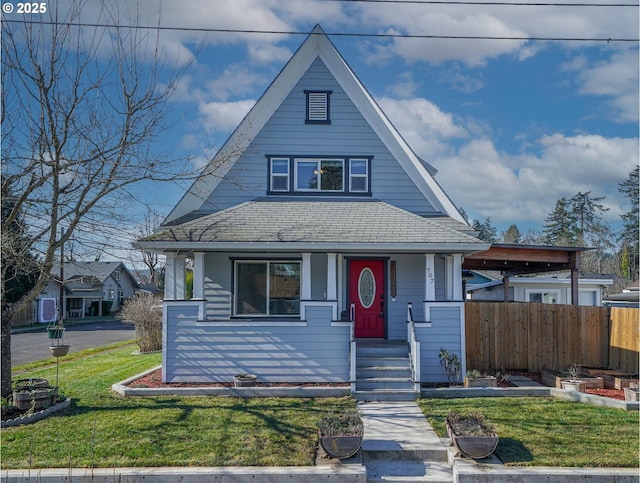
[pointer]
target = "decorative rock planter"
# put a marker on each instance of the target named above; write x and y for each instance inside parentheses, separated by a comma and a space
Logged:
(36, 399)
(488, 381)
(579, 386)
(245, 380)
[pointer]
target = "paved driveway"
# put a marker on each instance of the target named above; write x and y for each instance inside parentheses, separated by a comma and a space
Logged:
(34, 346)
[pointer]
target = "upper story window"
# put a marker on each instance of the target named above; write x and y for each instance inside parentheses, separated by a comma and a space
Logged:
(116, 275)
(318, 107)
(298, 175)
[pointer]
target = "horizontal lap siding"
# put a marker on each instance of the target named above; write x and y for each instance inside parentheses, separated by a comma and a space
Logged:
(197, 352)
(286, 133)
(444, 333)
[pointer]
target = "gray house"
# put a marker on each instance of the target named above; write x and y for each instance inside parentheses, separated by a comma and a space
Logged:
(314, 231)
(89, 287)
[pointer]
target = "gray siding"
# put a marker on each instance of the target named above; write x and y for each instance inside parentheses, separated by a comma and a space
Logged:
(444, 333)
(287, 134)
(196, 351)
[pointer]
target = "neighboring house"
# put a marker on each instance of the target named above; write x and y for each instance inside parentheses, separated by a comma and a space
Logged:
(546, 288)
(91, 288)
(629, 297)
(314, 213)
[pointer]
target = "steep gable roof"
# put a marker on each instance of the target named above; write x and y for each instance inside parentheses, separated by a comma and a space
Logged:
(90, 272)
(317, 45)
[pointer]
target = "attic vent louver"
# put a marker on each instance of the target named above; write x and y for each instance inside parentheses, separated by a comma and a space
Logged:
(318, 107)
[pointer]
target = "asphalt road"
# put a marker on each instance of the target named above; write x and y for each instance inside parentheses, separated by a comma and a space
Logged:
(34, 346)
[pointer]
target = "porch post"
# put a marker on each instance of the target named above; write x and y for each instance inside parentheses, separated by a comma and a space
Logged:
(430, 281)
(174, 277)
(332, 288)
(306, 277)
(198, 275)
(448, 277)
(457, 276)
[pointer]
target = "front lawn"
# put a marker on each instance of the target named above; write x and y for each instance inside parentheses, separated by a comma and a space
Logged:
(102, 429)
(549, 432)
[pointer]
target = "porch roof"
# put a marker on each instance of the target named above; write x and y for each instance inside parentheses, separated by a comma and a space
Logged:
(321, 224)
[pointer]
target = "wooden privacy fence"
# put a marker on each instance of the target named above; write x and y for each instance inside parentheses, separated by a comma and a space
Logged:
(528, 336)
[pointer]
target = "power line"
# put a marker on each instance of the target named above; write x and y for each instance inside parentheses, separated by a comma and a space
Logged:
(331, 34)
(511, 4)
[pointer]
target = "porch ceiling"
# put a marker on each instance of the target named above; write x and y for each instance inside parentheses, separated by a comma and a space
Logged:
(522, 259)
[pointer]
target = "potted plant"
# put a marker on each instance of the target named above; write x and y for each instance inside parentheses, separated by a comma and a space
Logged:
(574, 384)
(474, 378)
(245, 380)
(471, 434)
(341, 434)
(452, 366)
(55, 330)
(632, 392)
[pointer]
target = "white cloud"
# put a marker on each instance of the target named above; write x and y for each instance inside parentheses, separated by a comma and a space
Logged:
(404, 86)
(424, 126)
(524, 187)
(224, 116)
(236, 80)
(616, 78)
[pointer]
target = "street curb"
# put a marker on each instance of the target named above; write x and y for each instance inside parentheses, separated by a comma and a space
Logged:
(310, 474)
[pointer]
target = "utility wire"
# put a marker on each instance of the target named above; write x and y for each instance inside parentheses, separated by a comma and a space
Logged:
(509, 4)
(331, 34)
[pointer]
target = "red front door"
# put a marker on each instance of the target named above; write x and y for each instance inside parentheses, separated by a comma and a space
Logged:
(366, 292)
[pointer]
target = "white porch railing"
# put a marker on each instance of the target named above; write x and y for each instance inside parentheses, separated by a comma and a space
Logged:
(352, 348)
(414, 348)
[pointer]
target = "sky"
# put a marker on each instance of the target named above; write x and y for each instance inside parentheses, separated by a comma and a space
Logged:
(511, 125)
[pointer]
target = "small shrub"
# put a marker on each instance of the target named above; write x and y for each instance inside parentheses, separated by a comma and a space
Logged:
(347, 423)
(452, 365)
(144, 311)
(472, 424)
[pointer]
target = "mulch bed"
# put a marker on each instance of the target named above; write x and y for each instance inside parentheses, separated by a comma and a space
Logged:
(154, 380)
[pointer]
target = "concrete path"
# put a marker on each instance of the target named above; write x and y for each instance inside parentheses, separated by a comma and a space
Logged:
(522, 381)
(400, 445)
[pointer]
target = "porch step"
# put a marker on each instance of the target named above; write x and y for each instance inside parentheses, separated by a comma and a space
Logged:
(383, 371)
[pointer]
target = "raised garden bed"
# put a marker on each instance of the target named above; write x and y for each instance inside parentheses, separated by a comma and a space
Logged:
(554, 379)
(613, 378)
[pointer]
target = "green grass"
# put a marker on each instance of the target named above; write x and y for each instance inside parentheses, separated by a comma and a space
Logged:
(549, 432)
(102, 429)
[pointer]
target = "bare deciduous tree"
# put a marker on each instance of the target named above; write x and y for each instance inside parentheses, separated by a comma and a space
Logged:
(82, 110)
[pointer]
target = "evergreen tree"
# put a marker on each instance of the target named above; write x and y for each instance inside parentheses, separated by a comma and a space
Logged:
(560, 227)
(512, 235)
(587, 212)
(486, 231)
(630, 235)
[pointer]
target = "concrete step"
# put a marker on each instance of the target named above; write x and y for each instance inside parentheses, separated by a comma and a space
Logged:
(408, 471)
(383, 371)
(385, 395)
(373, 383)
(392, 351)
(395, 361)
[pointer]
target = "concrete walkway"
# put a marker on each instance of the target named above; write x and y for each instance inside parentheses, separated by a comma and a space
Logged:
(400, 445)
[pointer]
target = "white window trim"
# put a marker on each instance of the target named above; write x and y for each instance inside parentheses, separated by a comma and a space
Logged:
(318, 162)
(280, 175)
(365, 176)
(235, 288)
(528, 292)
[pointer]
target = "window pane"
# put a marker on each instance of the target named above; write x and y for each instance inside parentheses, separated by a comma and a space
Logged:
(358, 167)
(284, 288)
(550, 298)
(251, 288)
(535, 297)
(280, 166)
(359, 183)
(280, 183)
(332, 175)
(307, 175)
